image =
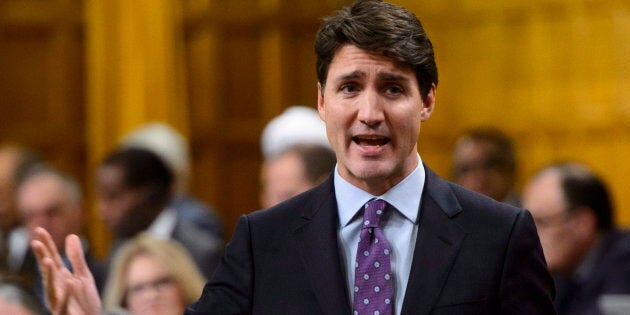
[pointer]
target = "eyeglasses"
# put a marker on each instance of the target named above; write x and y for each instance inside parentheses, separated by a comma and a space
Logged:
(158, 284)
(552, 220)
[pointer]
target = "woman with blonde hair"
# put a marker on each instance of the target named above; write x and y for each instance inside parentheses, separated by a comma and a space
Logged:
(152, 276)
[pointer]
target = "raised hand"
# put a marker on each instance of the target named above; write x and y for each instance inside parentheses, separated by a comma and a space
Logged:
(67, 292)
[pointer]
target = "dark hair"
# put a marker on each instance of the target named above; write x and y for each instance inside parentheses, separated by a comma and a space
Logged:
(582, 187)
(143, 170)
(503, 156)
(377, 26)
(318, 160)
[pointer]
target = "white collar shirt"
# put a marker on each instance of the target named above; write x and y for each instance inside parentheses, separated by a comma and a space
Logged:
(401, 229)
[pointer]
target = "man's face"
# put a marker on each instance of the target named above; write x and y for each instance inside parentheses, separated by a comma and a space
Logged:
(114, 198)
(44, 201)
(476, 168)
(559, 236)
(373, 109)
(282, 178)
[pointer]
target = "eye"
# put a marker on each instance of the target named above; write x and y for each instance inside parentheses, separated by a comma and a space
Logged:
(349, 88)
(394, 90)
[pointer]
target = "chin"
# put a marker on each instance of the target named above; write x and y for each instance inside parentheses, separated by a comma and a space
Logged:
(372, 171)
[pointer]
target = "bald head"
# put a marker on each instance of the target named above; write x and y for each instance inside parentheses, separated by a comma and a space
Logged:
(571, 208)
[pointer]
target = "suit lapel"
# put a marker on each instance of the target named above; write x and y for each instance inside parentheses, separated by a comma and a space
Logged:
(437, 245)
(316, 237)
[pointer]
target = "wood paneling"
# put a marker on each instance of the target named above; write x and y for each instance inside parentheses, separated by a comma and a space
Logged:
(553, 73)
(247, 61)
(41, 61)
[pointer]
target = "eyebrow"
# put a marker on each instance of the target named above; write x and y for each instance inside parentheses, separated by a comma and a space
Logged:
(384, 76)
(349, 76)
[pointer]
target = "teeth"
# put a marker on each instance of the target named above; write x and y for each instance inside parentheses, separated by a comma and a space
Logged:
(371, 140)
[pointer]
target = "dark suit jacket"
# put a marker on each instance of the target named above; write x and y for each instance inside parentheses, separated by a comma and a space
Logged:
(609, 274)
(473, 255)
(203, 245)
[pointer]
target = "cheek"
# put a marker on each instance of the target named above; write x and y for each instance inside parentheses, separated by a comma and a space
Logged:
(135, 305)
(175, 298)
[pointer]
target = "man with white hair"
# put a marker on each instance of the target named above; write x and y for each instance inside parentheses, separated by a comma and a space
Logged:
(297, 155)
(296, 125)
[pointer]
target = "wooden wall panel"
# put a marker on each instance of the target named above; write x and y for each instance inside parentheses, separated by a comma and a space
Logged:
(248, 60)
(553, 74)
(41, 61)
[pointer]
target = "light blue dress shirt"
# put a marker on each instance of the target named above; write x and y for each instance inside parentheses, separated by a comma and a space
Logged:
(401, 230)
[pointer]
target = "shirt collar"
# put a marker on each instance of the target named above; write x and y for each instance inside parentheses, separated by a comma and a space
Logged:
(404, 196)
(164, 225)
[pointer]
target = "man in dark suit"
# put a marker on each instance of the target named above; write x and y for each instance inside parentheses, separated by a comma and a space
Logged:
(134, 190)
(588, 257)
(51, 199)
(484, 160)
(417, 244)
(438, 249)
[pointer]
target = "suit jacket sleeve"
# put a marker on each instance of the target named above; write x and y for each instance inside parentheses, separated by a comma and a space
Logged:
(526, 286)
(230, 290)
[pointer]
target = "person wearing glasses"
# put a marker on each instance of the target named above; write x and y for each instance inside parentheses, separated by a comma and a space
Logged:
(588, 256)
(151, 276)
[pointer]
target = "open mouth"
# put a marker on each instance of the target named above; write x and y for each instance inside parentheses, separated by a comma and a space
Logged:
(375, 141)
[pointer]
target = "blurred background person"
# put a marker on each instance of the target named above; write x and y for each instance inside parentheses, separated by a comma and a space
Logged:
(295, 170)
(50, 199)
(484, 161)
(151, 276)
(14, 300)
(587, 255)
(295, 125)
(173, 148)
(14, 160)
(134, 191)
(297, 155)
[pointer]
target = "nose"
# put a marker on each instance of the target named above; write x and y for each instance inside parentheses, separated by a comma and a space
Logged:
(371, 109)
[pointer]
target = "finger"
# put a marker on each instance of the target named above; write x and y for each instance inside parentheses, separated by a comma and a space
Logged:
(75, 253)
(40, 251)
(47, 270)
(62, 306)
(43, 236)
(76, 289)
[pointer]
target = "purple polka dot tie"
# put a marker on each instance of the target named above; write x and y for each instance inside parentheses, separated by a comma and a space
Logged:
(373, 293)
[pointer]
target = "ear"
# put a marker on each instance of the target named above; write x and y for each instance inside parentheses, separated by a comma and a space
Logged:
(428, 104)
(320, 101)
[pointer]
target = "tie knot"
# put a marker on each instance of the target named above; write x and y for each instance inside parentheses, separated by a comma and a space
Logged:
(373, 212)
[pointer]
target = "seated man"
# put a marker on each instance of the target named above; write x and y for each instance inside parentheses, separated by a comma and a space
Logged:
(295, 170)
(52, 200)
(134, 191)
(173, 148)
(588, 257)
(484, 161)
